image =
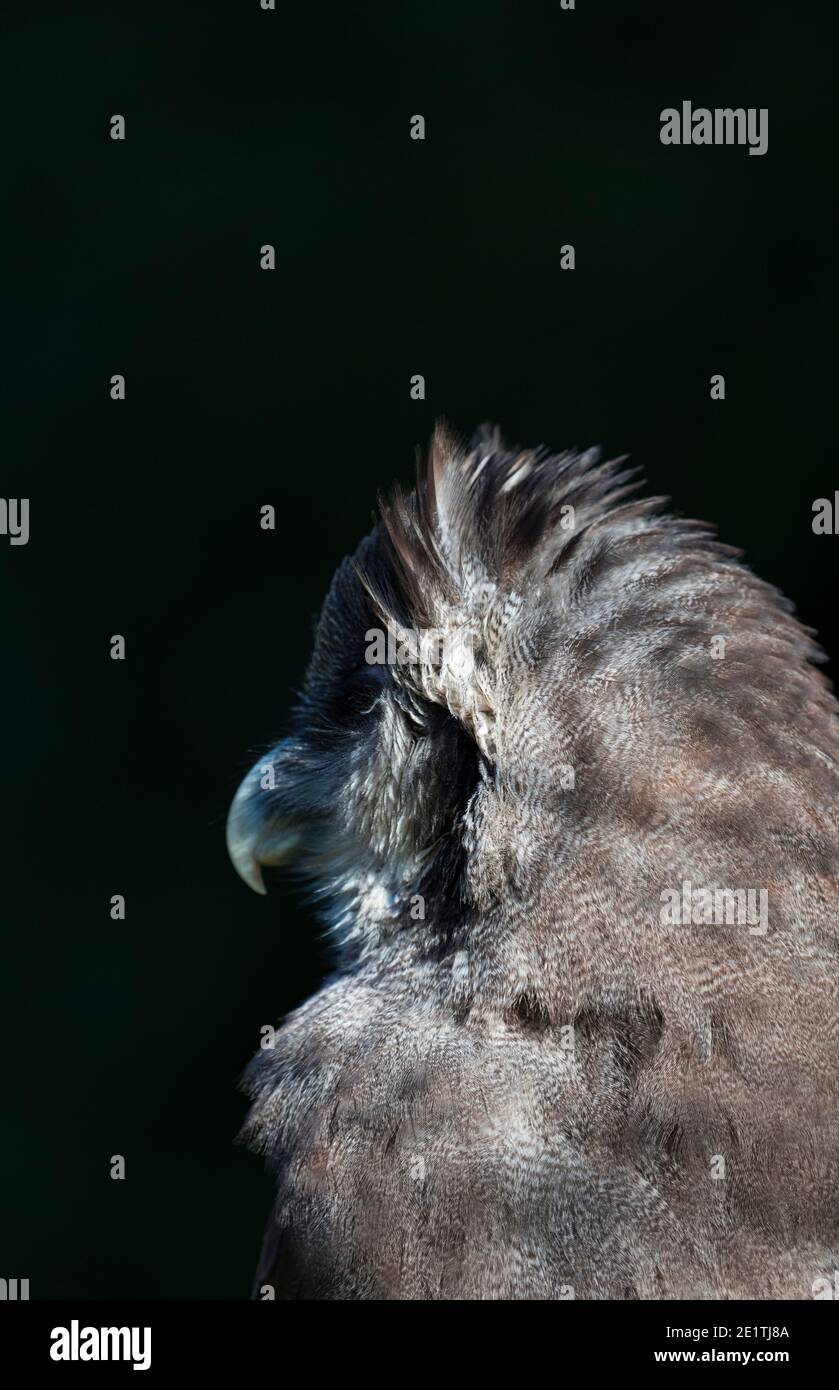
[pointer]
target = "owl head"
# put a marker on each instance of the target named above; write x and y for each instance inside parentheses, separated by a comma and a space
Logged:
(515, 673)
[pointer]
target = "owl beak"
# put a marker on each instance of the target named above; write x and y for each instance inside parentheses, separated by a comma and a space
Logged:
(255, 836)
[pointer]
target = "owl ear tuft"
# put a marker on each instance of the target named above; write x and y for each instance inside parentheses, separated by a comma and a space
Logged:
(484, 525)
(484, 516)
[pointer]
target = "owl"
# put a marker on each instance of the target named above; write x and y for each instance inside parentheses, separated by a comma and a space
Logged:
(562, 778)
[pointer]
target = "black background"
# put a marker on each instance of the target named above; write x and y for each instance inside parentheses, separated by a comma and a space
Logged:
(245, 387)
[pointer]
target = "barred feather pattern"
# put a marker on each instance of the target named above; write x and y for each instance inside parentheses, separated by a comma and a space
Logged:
(537, 1088)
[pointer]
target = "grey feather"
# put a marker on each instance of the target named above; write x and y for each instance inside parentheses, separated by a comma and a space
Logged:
(539, 1088)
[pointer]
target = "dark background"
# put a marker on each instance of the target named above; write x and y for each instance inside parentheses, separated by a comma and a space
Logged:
(245, 387)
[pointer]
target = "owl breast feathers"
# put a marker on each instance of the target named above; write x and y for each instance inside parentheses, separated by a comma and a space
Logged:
(563, 781)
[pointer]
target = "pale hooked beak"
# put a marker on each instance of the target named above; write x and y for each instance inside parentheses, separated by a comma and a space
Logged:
(255, 835)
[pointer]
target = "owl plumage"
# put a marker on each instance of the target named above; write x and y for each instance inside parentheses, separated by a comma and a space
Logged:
(523, 1080)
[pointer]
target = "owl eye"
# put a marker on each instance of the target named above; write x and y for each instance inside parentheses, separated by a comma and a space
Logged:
(373, 671)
